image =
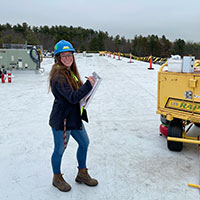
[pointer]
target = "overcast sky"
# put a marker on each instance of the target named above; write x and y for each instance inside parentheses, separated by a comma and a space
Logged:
(173, 18)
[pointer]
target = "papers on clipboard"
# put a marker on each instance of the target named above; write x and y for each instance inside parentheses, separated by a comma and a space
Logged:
(86, 100)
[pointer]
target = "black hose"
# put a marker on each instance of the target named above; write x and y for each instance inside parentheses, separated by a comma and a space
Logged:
(36, 57)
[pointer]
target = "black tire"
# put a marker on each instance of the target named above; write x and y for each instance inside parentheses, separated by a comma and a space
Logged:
(197, 124)
(175, 129)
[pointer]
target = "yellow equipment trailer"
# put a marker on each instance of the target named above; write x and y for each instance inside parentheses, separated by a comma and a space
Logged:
(178, 103)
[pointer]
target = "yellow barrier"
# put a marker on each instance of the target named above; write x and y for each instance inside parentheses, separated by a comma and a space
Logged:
(155, 60)
(102, 53)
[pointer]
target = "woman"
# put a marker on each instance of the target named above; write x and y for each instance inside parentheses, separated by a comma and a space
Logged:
(66, 115)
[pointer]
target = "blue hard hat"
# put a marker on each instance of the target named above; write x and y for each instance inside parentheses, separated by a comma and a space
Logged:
(63, 46)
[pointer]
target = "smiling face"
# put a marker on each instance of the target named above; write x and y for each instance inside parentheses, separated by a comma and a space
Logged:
(67, 58)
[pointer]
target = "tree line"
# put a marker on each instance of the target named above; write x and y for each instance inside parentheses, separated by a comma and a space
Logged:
(91, 40)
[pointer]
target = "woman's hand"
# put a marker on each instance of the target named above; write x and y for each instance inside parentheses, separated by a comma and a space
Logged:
(91, 79)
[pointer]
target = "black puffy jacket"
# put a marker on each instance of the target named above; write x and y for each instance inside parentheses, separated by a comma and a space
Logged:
(66, 105)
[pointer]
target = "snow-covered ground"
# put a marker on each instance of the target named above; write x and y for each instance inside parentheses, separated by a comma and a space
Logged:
(126, 153)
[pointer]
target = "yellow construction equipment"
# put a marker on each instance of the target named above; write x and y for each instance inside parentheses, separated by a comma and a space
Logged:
(178, 102)
(102, 53)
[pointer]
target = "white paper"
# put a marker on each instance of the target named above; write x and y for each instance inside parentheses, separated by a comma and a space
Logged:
(86, 100)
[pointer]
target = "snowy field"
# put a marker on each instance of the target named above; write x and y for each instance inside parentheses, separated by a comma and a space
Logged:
(126, 153)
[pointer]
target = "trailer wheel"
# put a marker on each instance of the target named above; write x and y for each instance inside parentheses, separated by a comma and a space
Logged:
(197, 124)
(175, 129)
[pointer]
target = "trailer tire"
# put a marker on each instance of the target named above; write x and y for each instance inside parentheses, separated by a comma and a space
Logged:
(197, 124)
(175, 129)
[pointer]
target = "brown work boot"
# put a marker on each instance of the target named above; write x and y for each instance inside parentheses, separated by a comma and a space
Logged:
(84, 177)
(60, 183)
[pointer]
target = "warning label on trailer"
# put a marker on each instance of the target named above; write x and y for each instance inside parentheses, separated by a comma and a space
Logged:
(183, 105)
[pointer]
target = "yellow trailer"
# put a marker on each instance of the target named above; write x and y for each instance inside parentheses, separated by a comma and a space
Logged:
(178, 103)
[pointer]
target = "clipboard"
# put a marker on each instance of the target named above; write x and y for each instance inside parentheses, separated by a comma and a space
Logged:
(85, 101)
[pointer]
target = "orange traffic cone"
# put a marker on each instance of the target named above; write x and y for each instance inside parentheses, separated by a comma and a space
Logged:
(150, 67)
(119, 56)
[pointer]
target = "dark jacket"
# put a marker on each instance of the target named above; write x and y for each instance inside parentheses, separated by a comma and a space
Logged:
(66, 105)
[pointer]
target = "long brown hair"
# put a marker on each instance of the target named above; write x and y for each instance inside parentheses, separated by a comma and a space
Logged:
(62, 73)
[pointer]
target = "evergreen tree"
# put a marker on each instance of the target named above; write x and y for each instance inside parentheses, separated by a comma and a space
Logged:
(88, 39)
(178, 47)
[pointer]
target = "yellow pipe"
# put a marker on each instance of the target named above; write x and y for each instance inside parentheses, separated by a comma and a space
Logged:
(194, 185)
(165, 64)
(193, 138)
(184, 135)
(182, 140)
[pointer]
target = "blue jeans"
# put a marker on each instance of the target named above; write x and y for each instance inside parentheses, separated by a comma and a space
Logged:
(81, 138)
